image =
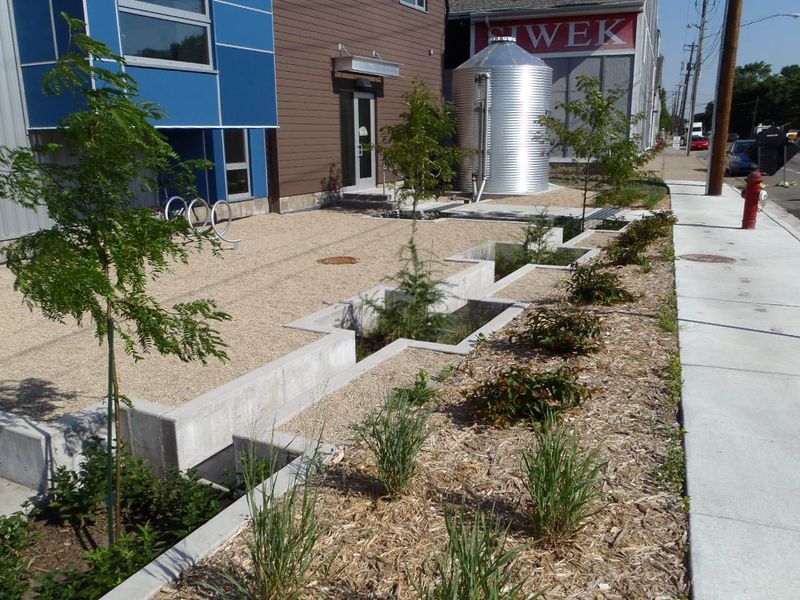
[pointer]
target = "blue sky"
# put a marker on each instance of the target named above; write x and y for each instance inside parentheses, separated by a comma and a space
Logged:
(775, 41)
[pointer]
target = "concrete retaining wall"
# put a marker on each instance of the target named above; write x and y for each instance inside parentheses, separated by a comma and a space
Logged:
(31, 451)
(186, 435)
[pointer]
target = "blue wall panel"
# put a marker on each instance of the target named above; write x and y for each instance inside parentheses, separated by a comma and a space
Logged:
(259, 4)
(247, 82)
(45, 111)
(102, 20)
(217, 145)
(258, 163)
(34, 31)
(242, 27)
(189, 145)
(73, 8)
(188, 98)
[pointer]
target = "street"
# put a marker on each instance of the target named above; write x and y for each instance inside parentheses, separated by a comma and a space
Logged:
(787, 198)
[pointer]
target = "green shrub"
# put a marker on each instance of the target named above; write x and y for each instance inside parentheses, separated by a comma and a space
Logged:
(107, 568)
(174, 506)
(630, 245)
(560, 331)
(562, 482)
(592, 284)
(477, 565)
(420, 394)
(77, 497)
(14, 539)
(409, 312)
(518, 393)
(395, 435)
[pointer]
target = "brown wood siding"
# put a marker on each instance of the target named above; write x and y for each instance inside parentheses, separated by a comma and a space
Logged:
(307, 37)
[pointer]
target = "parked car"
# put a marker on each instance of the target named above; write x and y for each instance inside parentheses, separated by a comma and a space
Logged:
(699, 142)
(741, 157)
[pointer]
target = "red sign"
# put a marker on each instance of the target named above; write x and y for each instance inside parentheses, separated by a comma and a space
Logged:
(591, 33)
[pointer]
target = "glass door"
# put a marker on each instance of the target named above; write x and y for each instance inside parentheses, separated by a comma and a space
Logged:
(364, 110)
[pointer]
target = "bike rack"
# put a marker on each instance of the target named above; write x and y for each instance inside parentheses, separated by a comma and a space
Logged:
(211, 219)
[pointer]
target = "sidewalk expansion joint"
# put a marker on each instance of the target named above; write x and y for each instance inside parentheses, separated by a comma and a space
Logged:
(778, 373)
(748, 521)
(734, 301)
(740, 328)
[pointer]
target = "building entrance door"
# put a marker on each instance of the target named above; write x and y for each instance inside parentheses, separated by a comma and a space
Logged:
(358, 141)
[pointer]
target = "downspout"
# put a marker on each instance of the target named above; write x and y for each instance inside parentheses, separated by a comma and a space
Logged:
(483, 147)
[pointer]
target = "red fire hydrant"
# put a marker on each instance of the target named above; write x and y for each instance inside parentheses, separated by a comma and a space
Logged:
(752, 195)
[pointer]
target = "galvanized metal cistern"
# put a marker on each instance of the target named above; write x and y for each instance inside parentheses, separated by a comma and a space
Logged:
(500, 93)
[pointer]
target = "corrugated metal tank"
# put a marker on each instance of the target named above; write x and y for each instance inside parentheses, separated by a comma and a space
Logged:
(499, 94)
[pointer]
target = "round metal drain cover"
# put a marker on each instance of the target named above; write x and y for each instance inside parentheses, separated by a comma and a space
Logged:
(707, 258)
(338, 260)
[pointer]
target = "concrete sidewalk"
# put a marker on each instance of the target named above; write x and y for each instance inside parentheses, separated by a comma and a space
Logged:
(740, 351)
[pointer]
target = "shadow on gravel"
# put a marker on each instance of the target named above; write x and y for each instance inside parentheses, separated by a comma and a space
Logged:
(32, 397)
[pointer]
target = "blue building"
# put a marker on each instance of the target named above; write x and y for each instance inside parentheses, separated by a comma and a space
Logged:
(209, 64)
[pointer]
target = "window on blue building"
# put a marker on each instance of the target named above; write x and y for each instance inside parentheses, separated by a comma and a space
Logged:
(237, 164)
(165, 32)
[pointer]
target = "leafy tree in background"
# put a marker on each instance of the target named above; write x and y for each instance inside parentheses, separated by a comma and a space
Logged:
(665, 119)
(94, 264)
(599, 136)
(759, 95)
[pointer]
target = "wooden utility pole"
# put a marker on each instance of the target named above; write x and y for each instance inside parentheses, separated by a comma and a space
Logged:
(698, 64)
(686, 88)
(722, 104)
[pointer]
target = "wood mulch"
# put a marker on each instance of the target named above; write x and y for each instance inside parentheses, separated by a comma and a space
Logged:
(633, 548)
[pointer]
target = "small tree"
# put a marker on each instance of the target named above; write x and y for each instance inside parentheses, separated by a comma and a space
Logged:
(416, 148)
(95, 262)
(600, 134)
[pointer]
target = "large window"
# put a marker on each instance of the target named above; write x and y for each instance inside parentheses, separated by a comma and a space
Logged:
(166, 32)
(237, 164)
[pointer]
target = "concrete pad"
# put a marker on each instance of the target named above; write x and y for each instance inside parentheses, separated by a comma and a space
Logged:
(731, 348)
(741, 560)
(12, 496)
(751, 281)
(753, 316)
(744, 477)
(728, 405)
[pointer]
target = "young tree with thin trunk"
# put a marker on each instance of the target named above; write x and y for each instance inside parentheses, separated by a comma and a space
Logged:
(600, 134)
(417, 149)
(95, 263)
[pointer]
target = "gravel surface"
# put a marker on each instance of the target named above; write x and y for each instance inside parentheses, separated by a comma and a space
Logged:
(542, 286)
(50, 369)
(336, 414)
